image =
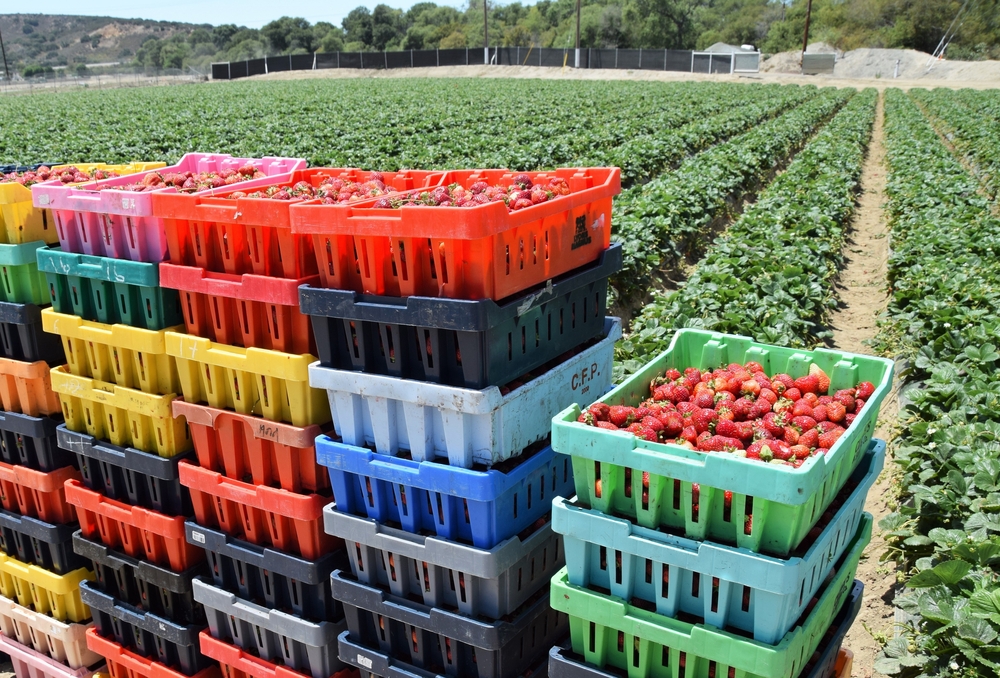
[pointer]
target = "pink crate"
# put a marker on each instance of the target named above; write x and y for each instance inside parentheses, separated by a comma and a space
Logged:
(30, 664)
(120, 224)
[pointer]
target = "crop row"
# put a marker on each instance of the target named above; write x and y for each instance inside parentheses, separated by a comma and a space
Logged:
(661, 221)
(944, 278)
(973, 134)
(771, 275)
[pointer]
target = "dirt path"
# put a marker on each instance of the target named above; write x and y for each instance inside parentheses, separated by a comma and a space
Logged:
(862, 295)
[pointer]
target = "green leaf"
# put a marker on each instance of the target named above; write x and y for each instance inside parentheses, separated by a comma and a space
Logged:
(948, 572)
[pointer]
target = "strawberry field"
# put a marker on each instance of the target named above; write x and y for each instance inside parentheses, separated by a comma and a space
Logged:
(739, 211)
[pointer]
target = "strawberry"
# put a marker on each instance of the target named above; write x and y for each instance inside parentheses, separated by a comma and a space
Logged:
(693, 373)
(759, 409)
(586, 418)
(651, 422)
(662, 393)
(724, 411)
(748, 525)
(811, 398)
(800, 451)
(783, 452)
(761, 449)
(822, 380)
(673, 424)
(719, 444)
(783, 406)
(725, 397)
(827, 426)
(849, 419)
(809, 438)
(634, 428)
(600, 411)
(727, 498)
(741, 408)
(865, 390)
(753, 366)
(774, 424)
(790, 435)
(807, 384)
(704, 399)
(825, 400)
(649, 434)
(845, 398)
(678, 394)
(686, 407)
(768, 395)
(607, 425)
(858, 405)
(821, 450)
(750, 387)
(820, 413)
(704, 419)
(621, 416)
(830, 437)
(836, 412)
(792, 394)
(731, 429)
(690, 434)
(803, 423)
(802, 409)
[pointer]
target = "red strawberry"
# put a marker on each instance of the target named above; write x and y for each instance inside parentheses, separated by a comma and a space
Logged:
(865, 390)
(809, 438)
(586, 418)
(635, 428)
(820, 413)
(653, 423)
(728, 498)
(802, 409)
(690, 434)
(790, 436)
(849, 419)
(724, 397)
(836, 412)
(774, 424)
(827, 426)
(732, 429)
(785, 380)
(825, 400)
(822, 380)
(750, 387)
(748, 525)
(693, 373)
(673, 424)
(783, 452)
(741, 408)
(704, 419)
(662, 393)
(845, 398)
(804, 423)
(601, 411)
(761, 449)
(724, 411)
(821, 450)
(830, 437)
(686, 408)
(678, 394)
(759, 409)
(647, 434)
(811, 398)
(704, 399)
(672, 374)
(719, 444)
(800, 451)
(621, 416)
(753, 366)
(784, 405)
(607, 425)
(768, 395)
(807, 384)
(858, 405)
(792, 394)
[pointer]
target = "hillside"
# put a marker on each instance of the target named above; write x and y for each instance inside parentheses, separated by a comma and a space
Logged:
(61, 40)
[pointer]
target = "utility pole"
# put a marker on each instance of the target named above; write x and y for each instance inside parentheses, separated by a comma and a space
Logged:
(805, 37)
(486, 33)
(6, 70)
(576, 61)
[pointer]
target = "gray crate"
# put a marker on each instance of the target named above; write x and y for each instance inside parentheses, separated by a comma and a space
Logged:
(442, 573)
(273, 635)
(374, 664)
(446, 642)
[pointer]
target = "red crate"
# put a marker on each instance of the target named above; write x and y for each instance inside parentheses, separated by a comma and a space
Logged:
(260, 451)
(253, 311)
(123, 663)
(137, 531)
(237, 663)
(482, 252)
(26, 388)
(37, 494)
(252, 235)
(266, 516)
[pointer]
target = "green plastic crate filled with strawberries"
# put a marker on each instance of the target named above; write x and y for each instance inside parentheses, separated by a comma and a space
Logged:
(726, 439)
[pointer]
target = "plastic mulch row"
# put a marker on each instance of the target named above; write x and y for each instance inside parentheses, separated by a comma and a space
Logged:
(159, 590)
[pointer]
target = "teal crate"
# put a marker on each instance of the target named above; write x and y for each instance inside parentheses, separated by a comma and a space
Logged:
(109, 290)
(784, 502)
(609, 632)
(726, 586)
(20, 280)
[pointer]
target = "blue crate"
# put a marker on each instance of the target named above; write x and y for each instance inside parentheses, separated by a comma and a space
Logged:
(727, 586)
(483, 508)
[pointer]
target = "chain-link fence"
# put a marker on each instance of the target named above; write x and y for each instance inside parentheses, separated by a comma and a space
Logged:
(99, 78)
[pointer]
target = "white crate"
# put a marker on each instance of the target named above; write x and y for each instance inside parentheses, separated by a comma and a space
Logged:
(64, 642)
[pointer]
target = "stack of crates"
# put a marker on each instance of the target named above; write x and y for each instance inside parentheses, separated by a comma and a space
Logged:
(447, 339)
(685, 563)
(257, 491)
(43, 616)
(119, 329)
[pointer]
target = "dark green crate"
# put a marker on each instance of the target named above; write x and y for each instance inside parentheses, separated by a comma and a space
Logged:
(109, 290)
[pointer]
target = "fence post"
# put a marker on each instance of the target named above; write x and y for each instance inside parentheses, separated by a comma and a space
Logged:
(437, 54)
(710, 63)
(466, 55)
(362, 55)
(518, 55)
(314, 61)
(486, 56)
(289, 62)
(692, 61)
(616, 57)
(640, 57)
(385, 58)
(338, 60)
(411, 58)
(664, 60)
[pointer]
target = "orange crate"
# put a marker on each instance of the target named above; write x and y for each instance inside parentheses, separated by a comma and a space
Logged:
(238, 663)
(123, 663)
(37, 494)
(263, 452)
(482, 252)
(26, 388)
(253, 311)
(266, 516)
(137, 531)
(251, 235)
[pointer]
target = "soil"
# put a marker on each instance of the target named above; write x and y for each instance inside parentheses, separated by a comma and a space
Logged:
(862, 297)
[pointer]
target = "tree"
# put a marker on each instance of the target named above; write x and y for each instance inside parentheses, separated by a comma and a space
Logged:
(454, 41)
(221, 35)
(285, 33)
(358, 26)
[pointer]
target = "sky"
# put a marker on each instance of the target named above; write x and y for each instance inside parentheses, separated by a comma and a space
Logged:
(250, 13)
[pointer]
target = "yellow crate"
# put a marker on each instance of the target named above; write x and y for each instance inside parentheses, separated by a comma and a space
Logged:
(271, 384)
(124, 416)
(21, 221)
(57, 595)
(128, 356)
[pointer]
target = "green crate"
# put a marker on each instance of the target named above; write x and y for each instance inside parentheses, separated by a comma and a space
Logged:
(20, 280)
(785, 502)
(109, 290)
(609, 632)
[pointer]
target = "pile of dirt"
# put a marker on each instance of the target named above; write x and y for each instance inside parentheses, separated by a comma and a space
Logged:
(909, 64)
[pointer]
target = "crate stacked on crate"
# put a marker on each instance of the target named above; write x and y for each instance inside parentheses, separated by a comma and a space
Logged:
(42, 614)
(448, 337)
(734, 562)
(256, 488)
(117, 391)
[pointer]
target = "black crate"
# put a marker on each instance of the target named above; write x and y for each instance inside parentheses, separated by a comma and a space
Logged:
(150, 587)
(150, 635)
(472, 344)
(31, 441)
(129, 475)
(22, 337)
(446, 642)
(279, 581)
(34, 541)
